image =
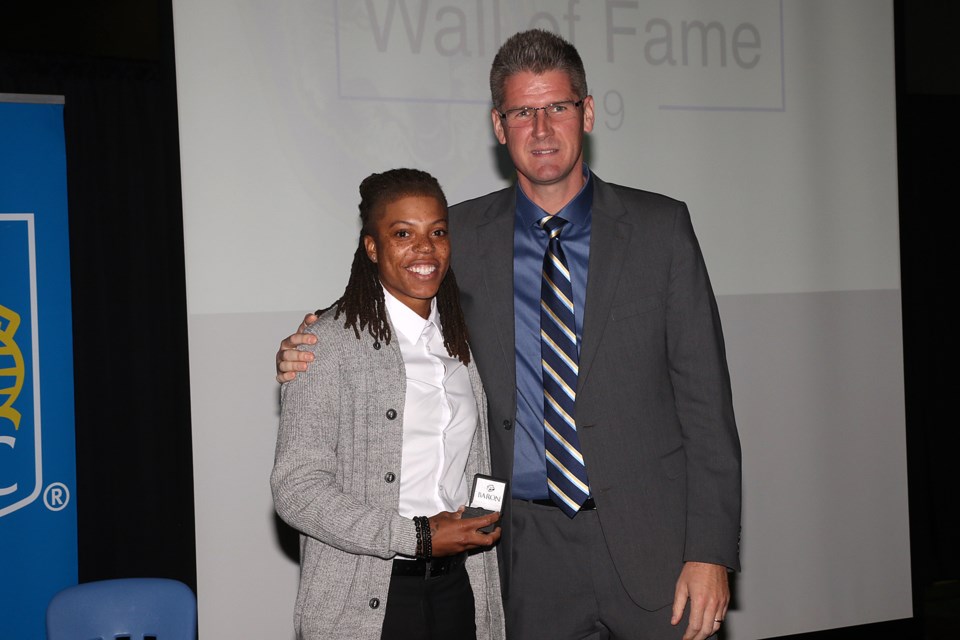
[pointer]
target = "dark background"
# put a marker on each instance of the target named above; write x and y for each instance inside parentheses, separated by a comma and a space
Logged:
(113, 60)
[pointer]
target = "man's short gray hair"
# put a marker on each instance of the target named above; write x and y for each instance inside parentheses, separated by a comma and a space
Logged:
(536, 51)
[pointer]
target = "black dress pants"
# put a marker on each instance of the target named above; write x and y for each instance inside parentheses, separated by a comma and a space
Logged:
(437, 608)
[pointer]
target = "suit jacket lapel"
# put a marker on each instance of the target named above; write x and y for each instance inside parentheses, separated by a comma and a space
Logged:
(495, 241)
(609, 243)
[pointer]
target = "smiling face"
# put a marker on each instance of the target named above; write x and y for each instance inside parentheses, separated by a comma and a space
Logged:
(546, 154)
(411, 249)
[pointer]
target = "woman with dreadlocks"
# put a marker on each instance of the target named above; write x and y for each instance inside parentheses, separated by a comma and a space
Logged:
(379, 438)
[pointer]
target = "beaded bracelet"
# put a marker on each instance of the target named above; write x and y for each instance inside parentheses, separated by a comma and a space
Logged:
(424, 538)
(427, 540)
(418, 527)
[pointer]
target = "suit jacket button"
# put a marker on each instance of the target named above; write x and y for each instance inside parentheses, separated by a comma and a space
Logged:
(507, 425)
(390, 477)
(391, 414)
(374, 603)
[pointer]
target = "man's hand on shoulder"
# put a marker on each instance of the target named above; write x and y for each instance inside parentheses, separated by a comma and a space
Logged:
(705, 586)
(290, 360)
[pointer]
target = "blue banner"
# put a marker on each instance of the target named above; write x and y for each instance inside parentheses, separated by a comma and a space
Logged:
(38, 518)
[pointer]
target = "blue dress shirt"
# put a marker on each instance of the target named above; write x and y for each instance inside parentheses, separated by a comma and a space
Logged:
(529, 246)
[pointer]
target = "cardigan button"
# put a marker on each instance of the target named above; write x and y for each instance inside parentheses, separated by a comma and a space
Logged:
(507, 425)
(390, 477)
(376, 345)
(391, 414)
(374, 603)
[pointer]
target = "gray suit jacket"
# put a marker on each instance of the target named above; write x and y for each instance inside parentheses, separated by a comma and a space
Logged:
(335, 479)
(654, 409)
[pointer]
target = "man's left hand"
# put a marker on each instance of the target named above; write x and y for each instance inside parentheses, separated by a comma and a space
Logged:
(705, 586)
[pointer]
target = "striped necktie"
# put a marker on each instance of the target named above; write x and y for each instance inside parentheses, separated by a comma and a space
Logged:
(566, 473)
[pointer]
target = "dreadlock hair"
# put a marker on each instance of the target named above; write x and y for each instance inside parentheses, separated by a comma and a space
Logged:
(538, 52)
(362, 303)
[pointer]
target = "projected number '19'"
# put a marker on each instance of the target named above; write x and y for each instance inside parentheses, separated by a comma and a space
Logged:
(613, 109)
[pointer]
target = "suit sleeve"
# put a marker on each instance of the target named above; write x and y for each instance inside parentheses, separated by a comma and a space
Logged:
(701, 383)
(307, 492)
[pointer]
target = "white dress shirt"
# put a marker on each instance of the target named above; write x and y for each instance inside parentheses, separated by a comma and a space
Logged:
(439, 415)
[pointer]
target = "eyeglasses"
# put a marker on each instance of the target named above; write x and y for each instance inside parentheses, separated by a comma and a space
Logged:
(525, 116)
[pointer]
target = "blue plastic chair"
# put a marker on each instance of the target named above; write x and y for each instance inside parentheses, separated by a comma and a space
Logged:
(134, 608)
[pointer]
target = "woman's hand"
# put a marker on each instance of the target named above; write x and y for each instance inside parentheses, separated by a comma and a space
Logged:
(450, 534)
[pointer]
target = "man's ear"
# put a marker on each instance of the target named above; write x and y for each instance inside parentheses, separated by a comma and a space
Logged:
(498, 126)
(588, 114)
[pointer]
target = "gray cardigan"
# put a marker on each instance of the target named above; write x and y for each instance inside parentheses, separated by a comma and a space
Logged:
(336, 480)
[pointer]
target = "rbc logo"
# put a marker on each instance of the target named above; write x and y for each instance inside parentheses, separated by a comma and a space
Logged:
(9, 390)
(20, 467)
(20, 451)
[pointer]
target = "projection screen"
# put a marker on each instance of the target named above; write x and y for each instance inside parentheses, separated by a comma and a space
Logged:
(774, 121)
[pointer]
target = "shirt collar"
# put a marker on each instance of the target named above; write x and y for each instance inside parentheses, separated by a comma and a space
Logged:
(406, 321)
(576, 212)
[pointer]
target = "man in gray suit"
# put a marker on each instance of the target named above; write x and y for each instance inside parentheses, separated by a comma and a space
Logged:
(635, 517)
